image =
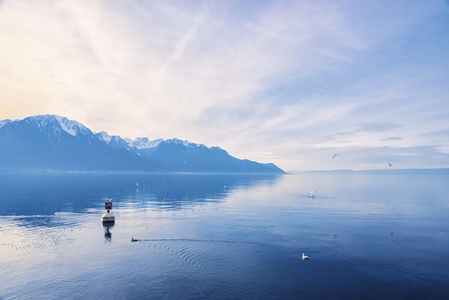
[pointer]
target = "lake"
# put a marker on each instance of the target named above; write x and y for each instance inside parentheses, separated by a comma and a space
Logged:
(218, 236)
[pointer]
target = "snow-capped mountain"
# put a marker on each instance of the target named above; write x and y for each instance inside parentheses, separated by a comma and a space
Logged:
(114, 141)
(144, 143)
(55, 142)
(57, 124)
(73, 128)
(104, 136)
(3, 122)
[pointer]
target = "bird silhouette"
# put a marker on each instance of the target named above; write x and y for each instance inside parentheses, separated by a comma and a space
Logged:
(335, 155)
(304, 257)
(390, 164)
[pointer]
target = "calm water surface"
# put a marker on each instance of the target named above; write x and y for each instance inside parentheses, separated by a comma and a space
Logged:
(368, 236)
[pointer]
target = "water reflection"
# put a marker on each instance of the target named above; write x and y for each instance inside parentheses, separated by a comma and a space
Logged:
(45, 194)
(107, 232)
(175, 191)
(363, 233)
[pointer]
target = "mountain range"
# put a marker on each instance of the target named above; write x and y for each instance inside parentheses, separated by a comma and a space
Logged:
(51, 142)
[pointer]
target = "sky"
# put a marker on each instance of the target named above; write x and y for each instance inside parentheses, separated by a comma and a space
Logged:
(287, 82)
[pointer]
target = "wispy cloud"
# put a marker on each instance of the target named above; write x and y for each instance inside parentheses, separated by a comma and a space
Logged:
(270, 80)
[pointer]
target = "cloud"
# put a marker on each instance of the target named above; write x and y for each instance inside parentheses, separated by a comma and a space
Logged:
(280, 80)
(392, 138)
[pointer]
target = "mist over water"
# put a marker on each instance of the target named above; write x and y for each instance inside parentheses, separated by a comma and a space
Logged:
(368, 236)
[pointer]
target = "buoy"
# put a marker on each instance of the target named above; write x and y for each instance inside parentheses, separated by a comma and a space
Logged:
(108, 217)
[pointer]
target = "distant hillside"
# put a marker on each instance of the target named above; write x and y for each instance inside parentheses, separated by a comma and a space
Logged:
(57, 143)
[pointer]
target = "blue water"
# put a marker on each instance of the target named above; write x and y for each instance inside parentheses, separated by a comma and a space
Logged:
(368, 236)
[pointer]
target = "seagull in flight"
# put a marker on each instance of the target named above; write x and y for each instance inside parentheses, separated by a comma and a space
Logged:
(390, 164)
(304, 257)
(335, 155)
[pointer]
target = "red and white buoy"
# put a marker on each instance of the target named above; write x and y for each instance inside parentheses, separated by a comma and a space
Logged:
(108, 217)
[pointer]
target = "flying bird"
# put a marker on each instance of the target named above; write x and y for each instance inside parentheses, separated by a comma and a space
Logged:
(390, 164)
(304, 257)
(335, 155)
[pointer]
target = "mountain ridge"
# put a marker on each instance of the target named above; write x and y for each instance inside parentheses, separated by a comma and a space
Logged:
(55, 142)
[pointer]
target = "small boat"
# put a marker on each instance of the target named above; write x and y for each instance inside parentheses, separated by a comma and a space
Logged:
(108, 217)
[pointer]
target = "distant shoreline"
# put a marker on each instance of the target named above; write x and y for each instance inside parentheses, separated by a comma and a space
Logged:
(434, 171)
(49, 171)
(381, 171)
